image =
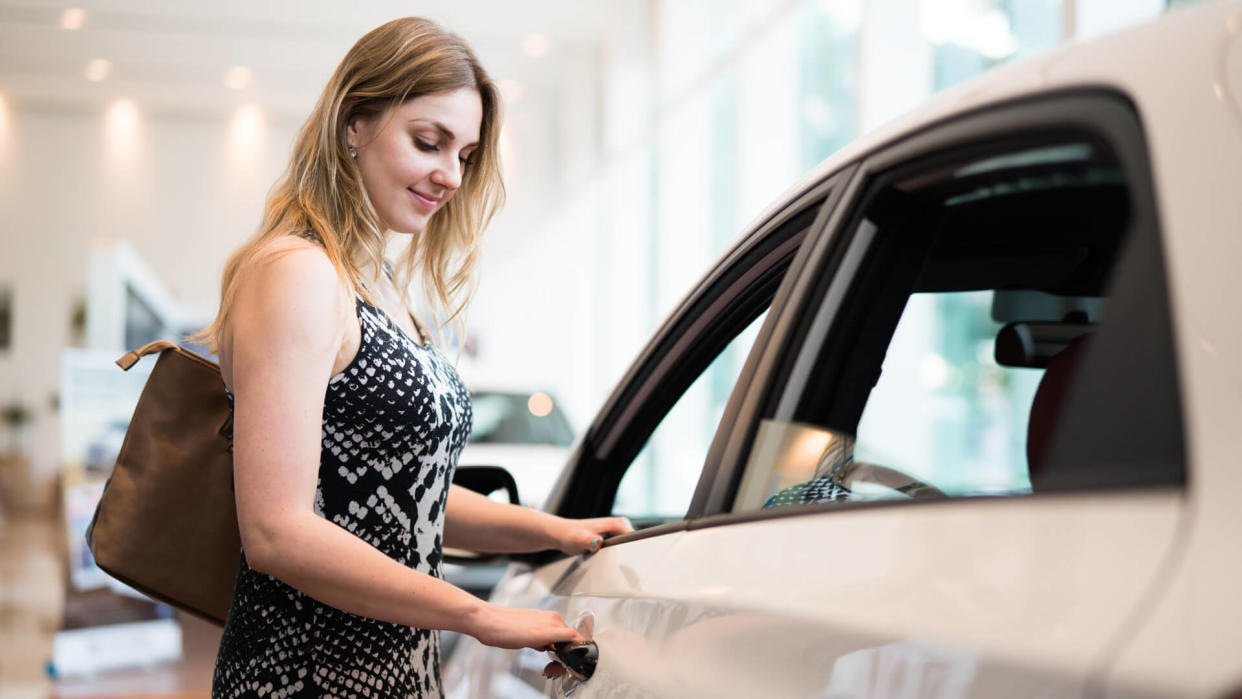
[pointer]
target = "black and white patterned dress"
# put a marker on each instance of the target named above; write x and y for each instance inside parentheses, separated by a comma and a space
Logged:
(394, 422)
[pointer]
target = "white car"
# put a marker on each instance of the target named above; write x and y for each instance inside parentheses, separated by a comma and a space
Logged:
(523, 431)
(900, 499)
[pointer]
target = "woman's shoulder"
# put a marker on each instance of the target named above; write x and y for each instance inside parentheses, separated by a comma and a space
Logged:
(290, 258)
(289, 274)
(288, 298)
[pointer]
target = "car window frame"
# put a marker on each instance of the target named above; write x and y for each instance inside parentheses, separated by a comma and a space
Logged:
(840, 249)
(638, 404)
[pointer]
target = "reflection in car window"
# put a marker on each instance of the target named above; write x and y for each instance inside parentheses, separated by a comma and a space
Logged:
(985, 293)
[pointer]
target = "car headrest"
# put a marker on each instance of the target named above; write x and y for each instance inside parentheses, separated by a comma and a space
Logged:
(1046, 406)
(1034, 344)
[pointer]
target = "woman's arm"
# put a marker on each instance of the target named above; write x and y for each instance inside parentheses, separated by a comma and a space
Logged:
(475, 523)
(288, 323)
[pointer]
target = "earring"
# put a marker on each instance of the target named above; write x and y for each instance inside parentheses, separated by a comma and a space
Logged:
(353, 152)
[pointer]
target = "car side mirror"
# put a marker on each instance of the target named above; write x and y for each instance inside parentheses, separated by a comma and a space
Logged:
(486, 480)
(483, 480)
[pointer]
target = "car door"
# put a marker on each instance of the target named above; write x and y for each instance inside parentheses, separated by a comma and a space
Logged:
(886, 509)
(643, 455)
(967, 470)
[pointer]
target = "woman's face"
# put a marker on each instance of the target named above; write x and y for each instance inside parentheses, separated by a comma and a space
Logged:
(412, 156)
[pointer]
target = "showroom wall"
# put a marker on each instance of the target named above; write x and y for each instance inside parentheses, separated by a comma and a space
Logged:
(176, 188)
(181, 175)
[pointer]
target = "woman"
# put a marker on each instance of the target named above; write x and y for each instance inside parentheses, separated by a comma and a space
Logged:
(347, 420)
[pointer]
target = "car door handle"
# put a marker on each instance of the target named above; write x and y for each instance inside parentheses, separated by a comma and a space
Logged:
(579, 659)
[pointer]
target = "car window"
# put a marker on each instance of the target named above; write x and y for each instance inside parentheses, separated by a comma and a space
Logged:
(507, 417)
(944, 411)
(661, 480)
(646, 451)
(1006, 332)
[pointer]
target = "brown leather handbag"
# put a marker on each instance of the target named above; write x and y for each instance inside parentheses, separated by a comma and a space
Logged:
(167, 522)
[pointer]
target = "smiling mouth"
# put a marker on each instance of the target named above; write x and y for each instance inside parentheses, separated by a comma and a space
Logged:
(425, 201)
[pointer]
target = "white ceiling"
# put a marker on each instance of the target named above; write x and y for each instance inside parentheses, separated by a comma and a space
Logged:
(172, 55)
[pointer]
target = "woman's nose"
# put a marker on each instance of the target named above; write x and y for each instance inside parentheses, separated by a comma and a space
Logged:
(448, 175)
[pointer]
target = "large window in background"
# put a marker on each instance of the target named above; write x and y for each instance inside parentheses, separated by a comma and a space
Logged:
(827, 78)
(970, 36)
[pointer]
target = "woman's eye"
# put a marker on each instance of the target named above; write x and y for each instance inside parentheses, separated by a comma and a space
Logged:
(423, 145)
(466, 160)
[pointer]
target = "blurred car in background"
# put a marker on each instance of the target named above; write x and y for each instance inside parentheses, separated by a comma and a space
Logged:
(528, 435)
(525, 432)
(985, 441)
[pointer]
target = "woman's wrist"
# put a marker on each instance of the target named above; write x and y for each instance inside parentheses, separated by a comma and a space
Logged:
(551, 531)
(473, 617)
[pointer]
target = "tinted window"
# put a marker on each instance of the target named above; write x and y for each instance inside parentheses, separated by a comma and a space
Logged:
(518, 418)
(645, 454)
(1003, 304)
(661, 480)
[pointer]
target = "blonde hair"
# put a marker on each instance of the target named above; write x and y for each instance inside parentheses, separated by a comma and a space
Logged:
(321, 192)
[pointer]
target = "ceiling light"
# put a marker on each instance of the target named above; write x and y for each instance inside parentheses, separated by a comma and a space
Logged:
(97, 69)
(122, 122)
(237, 78)
(4, 121)
(73, 18)
(246, 130)
(122, 140)
(536, 45)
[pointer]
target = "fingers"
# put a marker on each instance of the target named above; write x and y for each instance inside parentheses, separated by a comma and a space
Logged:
(570, 637)
(553, 670)
(603, 527)
(588, 535)
(509, 627)
(560, 636)
(620, 525)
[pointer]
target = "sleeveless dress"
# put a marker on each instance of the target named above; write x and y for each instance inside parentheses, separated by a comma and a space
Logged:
(394, 422)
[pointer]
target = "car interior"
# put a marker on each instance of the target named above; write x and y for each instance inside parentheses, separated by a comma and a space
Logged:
(1042, 226)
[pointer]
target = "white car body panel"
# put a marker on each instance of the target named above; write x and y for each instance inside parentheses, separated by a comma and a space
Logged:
(856, 592)
(1127, 593)
(535, 467)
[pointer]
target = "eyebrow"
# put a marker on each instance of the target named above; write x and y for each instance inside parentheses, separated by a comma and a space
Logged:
(442, 129)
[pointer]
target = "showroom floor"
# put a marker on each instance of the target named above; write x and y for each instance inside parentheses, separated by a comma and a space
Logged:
(32, 604)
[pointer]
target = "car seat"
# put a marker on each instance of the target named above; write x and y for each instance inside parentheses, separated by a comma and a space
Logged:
(1046, 407)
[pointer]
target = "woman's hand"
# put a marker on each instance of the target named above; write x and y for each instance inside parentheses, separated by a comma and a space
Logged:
(474, 523)
(575, 536)
(512, 628)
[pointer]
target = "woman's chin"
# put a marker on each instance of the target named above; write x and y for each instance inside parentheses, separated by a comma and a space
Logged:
(410, 226)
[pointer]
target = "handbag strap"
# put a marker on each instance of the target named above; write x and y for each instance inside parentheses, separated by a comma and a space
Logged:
(131, 358)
